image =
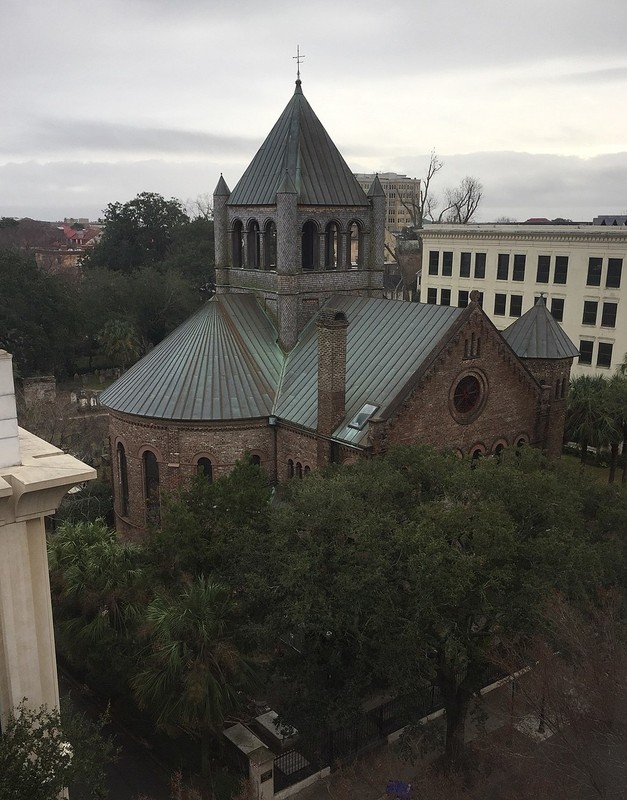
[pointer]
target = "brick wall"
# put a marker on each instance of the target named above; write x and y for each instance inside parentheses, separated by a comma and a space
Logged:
(509, 409)
(178, 447)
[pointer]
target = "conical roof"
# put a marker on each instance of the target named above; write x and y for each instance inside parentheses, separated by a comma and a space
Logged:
(299, 144)
(538, 335)
(222, 363)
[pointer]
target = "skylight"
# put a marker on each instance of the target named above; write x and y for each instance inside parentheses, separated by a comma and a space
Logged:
(360, 419)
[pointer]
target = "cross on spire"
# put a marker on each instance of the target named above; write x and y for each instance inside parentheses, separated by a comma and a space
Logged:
(298, 58)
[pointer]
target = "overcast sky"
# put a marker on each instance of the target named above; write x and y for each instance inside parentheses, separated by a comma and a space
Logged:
(102, 100)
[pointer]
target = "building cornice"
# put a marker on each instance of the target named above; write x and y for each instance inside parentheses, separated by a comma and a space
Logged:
(532, 233)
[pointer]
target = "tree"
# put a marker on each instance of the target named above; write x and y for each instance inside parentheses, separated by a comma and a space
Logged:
(422, 582)
(138, 232)
(43, 751)
(192, 670)
(120, 343)
(589, 420)
(463, 201)
(616, 395)
(39, 316)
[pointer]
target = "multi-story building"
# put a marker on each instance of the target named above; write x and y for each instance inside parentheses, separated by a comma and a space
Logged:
(577, 267)
(401, 196)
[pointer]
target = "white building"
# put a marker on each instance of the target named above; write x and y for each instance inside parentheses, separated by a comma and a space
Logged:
(579, 269)
(34, 476)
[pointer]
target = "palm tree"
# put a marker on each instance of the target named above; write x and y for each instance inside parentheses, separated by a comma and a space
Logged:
(120, 342)
(588, 420)
(192, 671)
(617, 403)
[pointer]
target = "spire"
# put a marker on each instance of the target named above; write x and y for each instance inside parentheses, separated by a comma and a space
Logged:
(538, 335)
(299, 144)
(287, 185)
(376, 189)
(221, 190)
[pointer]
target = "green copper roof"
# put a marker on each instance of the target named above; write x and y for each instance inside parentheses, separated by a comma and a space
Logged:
(222, 363)
(538, 335)
(300, 145)
(387, 342)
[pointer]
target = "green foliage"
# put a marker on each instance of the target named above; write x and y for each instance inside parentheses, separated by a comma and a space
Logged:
(99, 589)
(138, 232)
(39, 319)
(376, 578)
(42, 751)
(191, 668)
(91, 503)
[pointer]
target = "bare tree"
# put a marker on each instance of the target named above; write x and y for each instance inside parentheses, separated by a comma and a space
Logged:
(421, 206)
(462, 201)
(200, 207)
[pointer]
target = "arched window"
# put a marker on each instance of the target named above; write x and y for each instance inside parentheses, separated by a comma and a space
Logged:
(151, 485)
(269, 245)
(205, 467)
(498, 452)
(252, 245)
(353, 245)
(122, 479)
(331, 245)
(255, 459)
(306, 471)
(299, 470)
(309, 245)
(290, 468)
(237, 242)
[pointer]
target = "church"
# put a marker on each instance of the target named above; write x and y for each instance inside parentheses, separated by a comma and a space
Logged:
(299, 361)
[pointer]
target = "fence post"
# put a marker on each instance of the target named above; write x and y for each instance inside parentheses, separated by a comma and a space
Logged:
(260, 770)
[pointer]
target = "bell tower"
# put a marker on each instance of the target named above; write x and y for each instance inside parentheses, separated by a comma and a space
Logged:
(297, 228)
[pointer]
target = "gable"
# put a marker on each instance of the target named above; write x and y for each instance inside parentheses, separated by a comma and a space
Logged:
(473, 390)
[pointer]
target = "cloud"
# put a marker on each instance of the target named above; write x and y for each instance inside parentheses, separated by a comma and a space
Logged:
(49, 138)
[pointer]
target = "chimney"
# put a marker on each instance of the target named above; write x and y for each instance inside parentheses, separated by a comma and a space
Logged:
(332, 325)
(9, 438)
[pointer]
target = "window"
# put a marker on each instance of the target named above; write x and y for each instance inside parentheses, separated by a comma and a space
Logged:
(432, 296)
(557, 308)
(462, 299)
(608, 316)
(519, 268)
(464, 265)
(614, 269)
(515, 305)
(447, 263)
(480, 265)
(604, 355)
(204, 467)
(561, 269)
(123, 479)
(544, 268)
(331, 245)
(585, 351)
(499, 304)
(151, 485)
(353, 240)
(359, 421)
(445, 297)
(252, 245)
(309, 246)
(269, 245)
(290, 468)
(502, 267)
(472, 346)
(255, 460)
(434, 262)
(595, 266)
(467, 395)
(590, 308)
(236, 243)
